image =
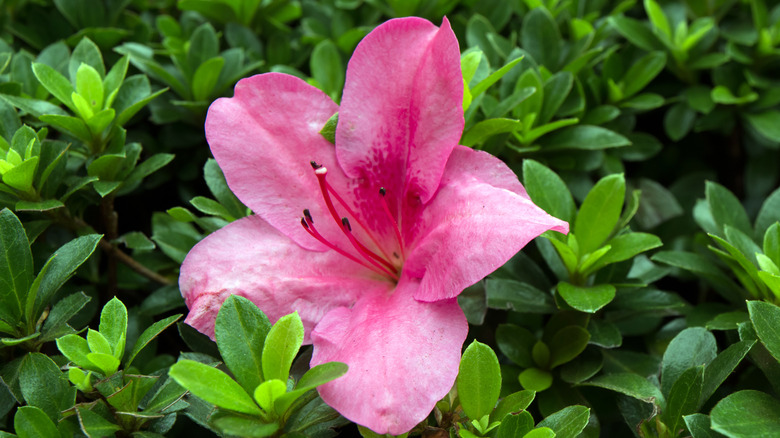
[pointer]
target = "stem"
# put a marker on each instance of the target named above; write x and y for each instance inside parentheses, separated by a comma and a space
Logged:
(76, 224)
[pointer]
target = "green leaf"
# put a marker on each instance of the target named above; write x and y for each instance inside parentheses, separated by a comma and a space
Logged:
(585, 137)
(767, 216)
(130, 110)
(548, 191)
(541, 38)
(514, 295)
(625, 247)
(241, 330)
(599, 212)
(630, 384)
(494, 77)
(586, 299)
(479, 380)
(635, 31)
(205, 78)
(16, 267)
(515, 425)
(556, 89)
(114, 78)
(239, 425)
(69, 125)
(32, 422)
(89, 85)
(76, 349)
(515, 402)
(281, 345)
(149, 334)
(213, 386)
(542, 432)
(726, 209)
(267, 392)
(683, 397)
(55, 83)
(86, 52)
(566, 344)
(113, 325)
(21, 176)
(721, 367)
(568, 422)
(766, 320)
(658, 18)
(94, 425)
(105, 363)
(516, 343)
(326, 67)
(692, 347)
(746, 414)
(62, 264)
(699, 426)
(766, 123)
(56, 324)
(318, 375)
(484, 129)
(644, 70)
(47, 205)
(534, 379)
(43, 386)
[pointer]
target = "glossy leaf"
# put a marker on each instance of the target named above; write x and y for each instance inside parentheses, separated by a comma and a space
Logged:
(213, 385)
(479, 380)
(281, 345)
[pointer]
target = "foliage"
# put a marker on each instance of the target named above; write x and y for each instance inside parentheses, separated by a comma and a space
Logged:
(651, 127)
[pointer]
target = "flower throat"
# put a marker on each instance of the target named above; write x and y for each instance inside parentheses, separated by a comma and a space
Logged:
(378, 263)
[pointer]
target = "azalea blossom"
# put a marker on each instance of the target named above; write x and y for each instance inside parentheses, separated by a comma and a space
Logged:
(370, 240)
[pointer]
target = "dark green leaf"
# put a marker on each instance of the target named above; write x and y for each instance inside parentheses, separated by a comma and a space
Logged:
(44, 386)
(586, 299)
(240, 425)
(31, 422)
(568, 422)
(644, 70)
(722, 366)
(205, 78)
(240, 330)
(747, 414)
(766, 320)
(699, 426)
(586, 137)
(56, 324)
(516, 343)
(326, 67)
(548, 190)
(16, 267)
(566, 344)
(683, 398)
(94, 425)
(692, 347)
(149, 334)
(629, 384)
(541, 38)
(515, 425)
(517, 296)
(766, 123)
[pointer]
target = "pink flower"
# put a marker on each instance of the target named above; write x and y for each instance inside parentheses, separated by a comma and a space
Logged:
(372, 240)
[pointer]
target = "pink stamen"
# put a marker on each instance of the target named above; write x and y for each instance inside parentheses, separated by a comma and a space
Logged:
(308, 225)
(321, 172)
(392, 219)
(363, 251)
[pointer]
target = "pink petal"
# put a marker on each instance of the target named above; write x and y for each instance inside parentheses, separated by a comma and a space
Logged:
(250, 258)
(478, 220)
(401, 113)
(264, 138)
(403, 357)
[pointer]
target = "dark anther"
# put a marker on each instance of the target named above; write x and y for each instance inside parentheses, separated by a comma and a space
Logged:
(307, 215)
(345, 222)
(382, 191)
(303, 222)
(395, 254)
(314, 165)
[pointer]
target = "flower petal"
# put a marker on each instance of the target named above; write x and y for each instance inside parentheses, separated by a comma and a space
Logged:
(403, 357)
(478, 220)
(264, 138)
(401, 113)
(250, 258)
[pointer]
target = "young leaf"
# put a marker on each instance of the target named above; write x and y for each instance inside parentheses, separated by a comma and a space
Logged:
(320, 374)
(479, 380)
(281, 345)
(600, 212)
(113, 326)
(213, 385)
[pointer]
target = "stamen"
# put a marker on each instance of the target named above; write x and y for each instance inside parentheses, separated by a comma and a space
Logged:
(395, 223)
(321, 172)
(364, 251)
(309, 227)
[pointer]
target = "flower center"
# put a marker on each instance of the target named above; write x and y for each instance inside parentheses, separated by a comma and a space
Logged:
(380, 264)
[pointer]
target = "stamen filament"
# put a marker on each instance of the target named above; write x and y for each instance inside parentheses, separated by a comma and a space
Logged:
(365, 252)
(309, 227)
(321, 172)
(392, 219)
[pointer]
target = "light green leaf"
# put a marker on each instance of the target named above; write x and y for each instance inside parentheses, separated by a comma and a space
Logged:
(281, 345)
(479, 380)
(213, 385)
(600, 212)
